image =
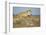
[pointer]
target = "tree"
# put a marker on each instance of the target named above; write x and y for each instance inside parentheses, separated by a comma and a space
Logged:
(29, 11)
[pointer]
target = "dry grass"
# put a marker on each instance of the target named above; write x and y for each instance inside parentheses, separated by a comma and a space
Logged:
(26, 21)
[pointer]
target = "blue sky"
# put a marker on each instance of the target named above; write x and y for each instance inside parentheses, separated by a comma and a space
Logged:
(35, 11)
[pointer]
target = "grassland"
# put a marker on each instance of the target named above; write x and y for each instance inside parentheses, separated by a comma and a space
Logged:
(26, 21)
